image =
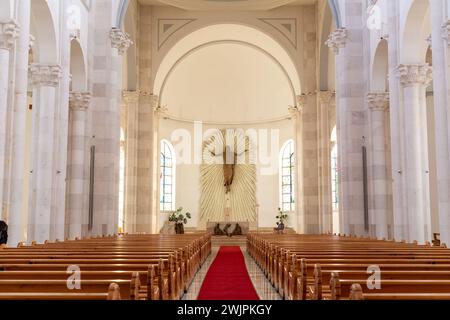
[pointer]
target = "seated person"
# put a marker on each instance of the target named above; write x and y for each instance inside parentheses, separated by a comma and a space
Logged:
(237, 230)
(3, 232)
(218, 231)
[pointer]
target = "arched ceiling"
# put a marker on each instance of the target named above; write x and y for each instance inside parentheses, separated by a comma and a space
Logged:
(227, 82)
(234, 5)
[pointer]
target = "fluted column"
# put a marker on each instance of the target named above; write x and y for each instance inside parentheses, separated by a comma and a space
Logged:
(76, 180)
(348, 46)
(8, 34)
(45, 79)
(324, 135)
(18, 203)
(378, 105)
(441, 62)
(131, 104)
(414, 78)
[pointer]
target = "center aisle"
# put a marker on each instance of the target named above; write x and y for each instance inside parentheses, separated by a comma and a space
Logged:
(227, 278)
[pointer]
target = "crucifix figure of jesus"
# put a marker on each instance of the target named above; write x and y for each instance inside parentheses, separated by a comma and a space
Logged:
(229, 166)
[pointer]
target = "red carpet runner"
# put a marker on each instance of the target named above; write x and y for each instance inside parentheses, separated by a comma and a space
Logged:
(227, 278)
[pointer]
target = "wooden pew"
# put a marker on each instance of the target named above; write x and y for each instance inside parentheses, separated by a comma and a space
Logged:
(168, 264)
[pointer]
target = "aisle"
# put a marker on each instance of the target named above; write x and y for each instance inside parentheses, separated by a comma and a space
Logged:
(227, 278)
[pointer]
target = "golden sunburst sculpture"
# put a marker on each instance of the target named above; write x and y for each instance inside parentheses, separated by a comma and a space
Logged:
(228, 178)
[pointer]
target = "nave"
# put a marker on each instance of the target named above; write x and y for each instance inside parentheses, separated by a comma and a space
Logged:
(186, 267)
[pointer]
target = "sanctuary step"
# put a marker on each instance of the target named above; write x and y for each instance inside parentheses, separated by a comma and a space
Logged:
(218, 241)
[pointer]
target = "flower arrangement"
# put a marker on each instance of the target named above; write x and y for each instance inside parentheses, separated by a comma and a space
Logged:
(282, 217)
(179, 218)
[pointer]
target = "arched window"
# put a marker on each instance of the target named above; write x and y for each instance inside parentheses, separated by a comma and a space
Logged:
(287, 192)
(334, 171)
(167, 177)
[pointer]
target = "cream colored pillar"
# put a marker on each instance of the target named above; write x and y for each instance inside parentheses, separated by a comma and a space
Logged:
(8, 34)
(76, 179)
(378, 105)
(414, 79)
(296, 117)
(130, 101)
(325, 99)
(45, 79)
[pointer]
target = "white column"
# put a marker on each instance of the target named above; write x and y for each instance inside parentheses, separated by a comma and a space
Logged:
(17, 203)
(378, 105)
(325, 198)
(45, 79)
(296, 116)
(400, 221)
(61, 137)
(76, 180)
(441, 61)
(8, 33)
(348, 45)
(414, 79)
(131, 100)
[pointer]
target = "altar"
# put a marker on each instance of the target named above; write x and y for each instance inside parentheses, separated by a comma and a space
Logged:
(228, 226)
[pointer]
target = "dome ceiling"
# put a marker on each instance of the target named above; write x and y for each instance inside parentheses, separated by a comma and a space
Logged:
(227, 83)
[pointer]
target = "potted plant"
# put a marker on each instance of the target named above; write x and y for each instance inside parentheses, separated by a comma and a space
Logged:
(282, 217)
(180, 220)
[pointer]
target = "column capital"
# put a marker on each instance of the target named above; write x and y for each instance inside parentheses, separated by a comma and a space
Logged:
(130, 97)
(414, 74)
(378, 101)
(79, 101)
(9, 31)
(325, 97)
(446, 32)
(120, 40)
(45, 74)
(337, 39)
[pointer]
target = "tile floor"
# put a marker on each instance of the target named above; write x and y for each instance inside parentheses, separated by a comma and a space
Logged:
(263, 287)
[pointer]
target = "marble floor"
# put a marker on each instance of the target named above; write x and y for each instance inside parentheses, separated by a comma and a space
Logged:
(263, 287)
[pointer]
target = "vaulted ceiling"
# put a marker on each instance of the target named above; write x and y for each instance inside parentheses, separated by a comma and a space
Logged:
(232, 5)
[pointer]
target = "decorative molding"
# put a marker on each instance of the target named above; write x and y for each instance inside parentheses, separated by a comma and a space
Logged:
(325, 97)
(130, 97)
(286, 26)
(378, 101)
(337, 39)
(294, 112)
(45, 74)
(79, 101)
(415, 74)
(429, 40)
(446, 32)
(31, 41)
(120, 40)
(301, 102)
(9, 31)
(168, 27)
